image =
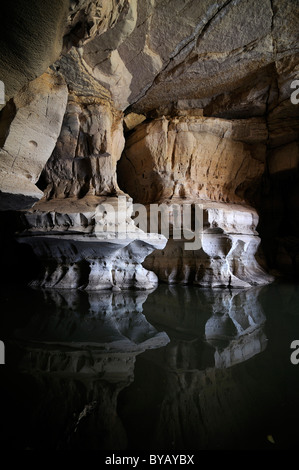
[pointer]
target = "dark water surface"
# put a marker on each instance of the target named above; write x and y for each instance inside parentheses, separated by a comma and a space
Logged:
(180, 368)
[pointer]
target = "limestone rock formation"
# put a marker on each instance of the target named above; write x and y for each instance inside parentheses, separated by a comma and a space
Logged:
(31, 40)
(97, 249)
(191, 156)
(213, 165)
(213, 101)
(221, 255)
(30, 126)
(82, 229)
(90, 144)
(44, 31)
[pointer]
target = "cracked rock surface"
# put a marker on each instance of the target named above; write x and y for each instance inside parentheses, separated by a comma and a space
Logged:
(198, 95)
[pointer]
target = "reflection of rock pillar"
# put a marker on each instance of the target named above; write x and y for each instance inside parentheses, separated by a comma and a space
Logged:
(220, 330)
(83, 349)
(191, 392)
(229, 322)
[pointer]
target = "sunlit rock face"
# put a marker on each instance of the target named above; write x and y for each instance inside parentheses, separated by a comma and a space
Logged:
(211, 164)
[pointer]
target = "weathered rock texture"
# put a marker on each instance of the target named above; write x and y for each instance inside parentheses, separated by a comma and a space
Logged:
(212, 162)
(228, 243)
(217, 47)
(194, 157)
(90, 144)
(31, 39)
(29, 129)
(35, 34)
(219, 72)
(94, 249)
(81, 231)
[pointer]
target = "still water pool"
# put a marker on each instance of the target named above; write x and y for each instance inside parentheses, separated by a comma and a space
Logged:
(179, 368)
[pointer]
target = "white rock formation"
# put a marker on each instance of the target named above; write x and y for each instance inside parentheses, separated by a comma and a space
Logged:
(227, 241)
(222, 81)
(192, 156)
(95, 250)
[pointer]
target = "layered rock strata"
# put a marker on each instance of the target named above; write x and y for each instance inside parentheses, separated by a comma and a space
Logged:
(221, 253)
(95, 249)
(192, 156)
(224, 78)
(210, 166)
(82, 229)
(91, 141)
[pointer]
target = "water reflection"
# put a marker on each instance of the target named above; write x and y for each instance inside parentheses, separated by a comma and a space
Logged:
(230, 322)
(73, 356)
(177, 368)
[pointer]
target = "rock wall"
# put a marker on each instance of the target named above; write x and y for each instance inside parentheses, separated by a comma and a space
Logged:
(214, 165)
(89, 145)
(81, 231)
(194, 157)
(278, 200)
(206, 113)
(29, 129)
